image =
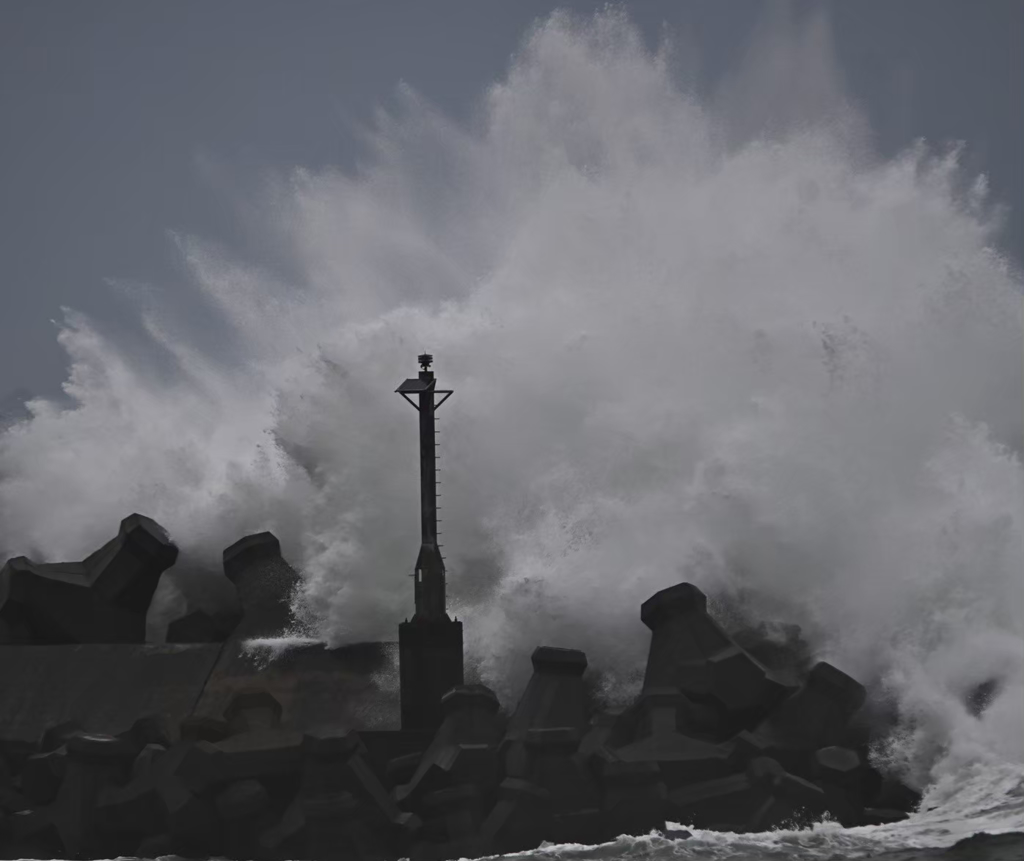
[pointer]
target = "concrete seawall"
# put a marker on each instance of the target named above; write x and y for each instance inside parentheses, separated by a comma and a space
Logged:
(106, 687)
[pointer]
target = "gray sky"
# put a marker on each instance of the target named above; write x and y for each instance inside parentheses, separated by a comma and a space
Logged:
(110, 110)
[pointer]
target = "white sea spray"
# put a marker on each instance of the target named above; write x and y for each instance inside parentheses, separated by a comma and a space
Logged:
(683, 347)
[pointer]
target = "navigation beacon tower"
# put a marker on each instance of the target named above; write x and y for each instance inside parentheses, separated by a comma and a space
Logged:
(429, 645)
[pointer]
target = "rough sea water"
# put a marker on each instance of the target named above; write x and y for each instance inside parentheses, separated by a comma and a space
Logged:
(703, 335)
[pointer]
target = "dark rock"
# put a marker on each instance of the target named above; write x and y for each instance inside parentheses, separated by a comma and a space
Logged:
(102, 599)
(253, 710)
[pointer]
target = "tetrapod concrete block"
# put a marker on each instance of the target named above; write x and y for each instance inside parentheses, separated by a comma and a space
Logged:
(265, 583)
(94, 762)
(690, 652)
(680, 758)
(816, 716)
(102, 599)
(520, 819)
(554, 696)
(253, 709)
(553, 766)
(42, 774)
(635, 798)
(464, 749)
(338, 765)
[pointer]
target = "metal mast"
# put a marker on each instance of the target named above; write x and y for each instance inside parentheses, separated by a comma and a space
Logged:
(429, 572)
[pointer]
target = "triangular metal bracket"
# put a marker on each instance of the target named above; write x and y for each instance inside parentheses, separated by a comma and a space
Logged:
(447, 394)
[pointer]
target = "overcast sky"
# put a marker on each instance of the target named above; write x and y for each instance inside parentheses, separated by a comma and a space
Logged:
(123, 120)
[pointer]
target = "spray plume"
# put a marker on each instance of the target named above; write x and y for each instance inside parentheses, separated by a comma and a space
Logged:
(682, 347)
